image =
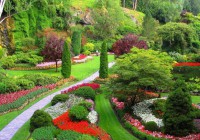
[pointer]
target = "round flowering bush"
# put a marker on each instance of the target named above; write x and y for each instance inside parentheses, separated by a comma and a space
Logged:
(92, 116)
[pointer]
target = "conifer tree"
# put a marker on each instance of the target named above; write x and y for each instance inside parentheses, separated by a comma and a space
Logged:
(66, 61)
(76, 42)
(103, 72)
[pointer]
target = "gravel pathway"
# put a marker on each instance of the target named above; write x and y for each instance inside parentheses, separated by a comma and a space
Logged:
(9, 131)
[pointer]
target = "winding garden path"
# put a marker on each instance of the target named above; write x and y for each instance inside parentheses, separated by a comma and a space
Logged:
(108, 120)
(9, 131)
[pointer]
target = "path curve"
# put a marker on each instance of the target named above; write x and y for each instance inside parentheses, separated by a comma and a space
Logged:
(9, 130)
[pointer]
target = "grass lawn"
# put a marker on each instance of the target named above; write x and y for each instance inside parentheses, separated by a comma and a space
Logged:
(195, 99)
(79, 71)
(108, 120)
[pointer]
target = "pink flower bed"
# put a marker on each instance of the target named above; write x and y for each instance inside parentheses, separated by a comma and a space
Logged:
(47, 64)
(139, 126)
(119, 105)
(11, 97)
(92, 85)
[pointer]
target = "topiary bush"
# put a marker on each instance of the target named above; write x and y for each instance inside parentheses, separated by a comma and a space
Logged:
(44, 133)
(86, 104)
(68, 135)
(40, 119)
(77, 113)
(59, 98)
(151, 126)
(76, 42)
(85, 92)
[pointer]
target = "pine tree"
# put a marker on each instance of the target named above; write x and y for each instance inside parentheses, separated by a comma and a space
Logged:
(178, 118)
(103, 72)
(66, 61)
(76, 42)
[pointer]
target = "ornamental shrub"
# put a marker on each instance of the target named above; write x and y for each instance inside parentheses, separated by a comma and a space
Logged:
(78, 113)
(44, 133)
(178, 118)
(59, 98)
(103, 71)
(25, 84)
(68, 135)
(151, 126)
(66, 62)
(40, 119)
(85, 104)
(85, 92)
(8, 62)
(125, 44)
(76, 42)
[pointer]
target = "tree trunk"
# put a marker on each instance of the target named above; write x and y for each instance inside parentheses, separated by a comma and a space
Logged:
(124, 3)
(56, 65)
(135, 4)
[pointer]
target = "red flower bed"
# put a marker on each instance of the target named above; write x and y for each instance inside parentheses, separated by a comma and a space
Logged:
(81, 56)
(190, 64)
(92, 85)
(64, 122)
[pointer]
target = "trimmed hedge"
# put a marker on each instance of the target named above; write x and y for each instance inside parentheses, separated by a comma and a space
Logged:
(68, 135)
(21, 101)
(40, 119)
(59, 98)
(44, 133)
(78, 113)
(85, 92)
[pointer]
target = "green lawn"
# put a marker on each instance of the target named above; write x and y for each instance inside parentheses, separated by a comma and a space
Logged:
(108, 120)
(79, 71)
(195, 99)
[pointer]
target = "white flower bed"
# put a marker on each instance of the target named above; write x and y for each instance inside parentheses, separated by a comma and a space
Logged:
(93, 117)
(60, 108)
(142, 110)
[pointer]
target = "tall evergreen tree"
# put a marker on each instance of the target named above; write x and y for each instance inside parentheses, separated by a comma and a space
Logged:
(66, 61)
(178, 118)
(76, 42)
(103, 72)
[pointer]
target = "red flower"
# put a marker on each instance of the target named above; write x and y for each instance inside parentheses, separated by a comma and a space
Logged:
(190, 64)
(64, 122)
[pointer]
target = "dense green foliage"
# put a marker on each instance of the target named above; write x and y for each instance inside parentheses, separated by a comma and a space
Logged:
(78, 113)
(103, 71)
(76, 42)
(140, 70)
(85, 92)
(59, 98)
(68, 135)
(178, 119)
(44, 133)
(177, 37)
(66, 62)
(40, 119)
(86, 104)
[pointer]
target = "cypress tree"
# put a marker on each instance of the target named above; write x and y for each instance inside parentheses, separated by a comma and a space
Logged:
(66, 61)
(103, 71)
(76, 42)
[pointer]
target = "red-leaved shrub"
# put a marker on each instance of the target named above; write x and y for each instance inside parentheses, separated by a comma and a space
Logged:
(125, 44)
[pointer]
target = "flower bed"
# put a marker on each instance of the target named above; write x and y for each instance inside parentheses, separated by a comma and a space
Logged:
(190, 64)
(140, 127)
(92, 85)
(139, 130)
(64, 123)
